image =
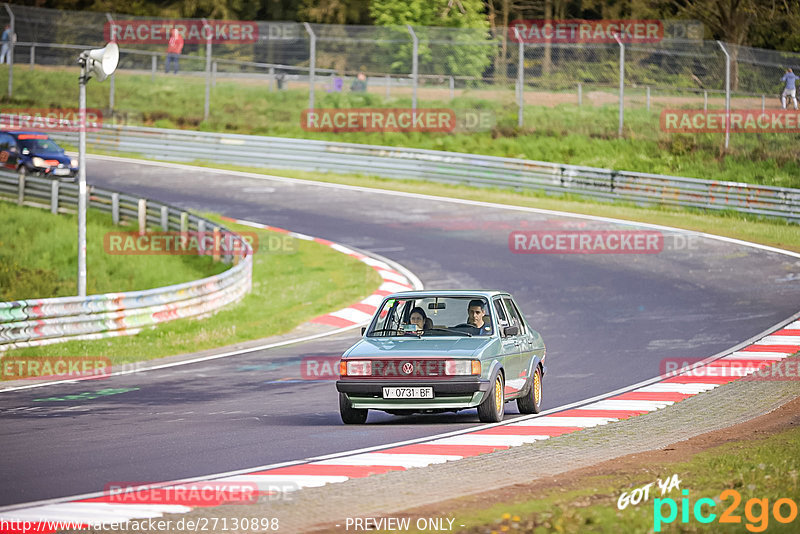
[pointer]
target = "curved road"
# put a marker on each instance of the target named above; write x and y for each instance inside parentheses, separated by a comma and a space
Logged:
(608, 321)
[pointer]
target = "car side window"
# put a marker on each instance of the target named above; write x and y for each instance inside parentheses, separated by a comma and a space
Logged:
(5, 141)
(514, 317)
(502, 315)
(522, 329)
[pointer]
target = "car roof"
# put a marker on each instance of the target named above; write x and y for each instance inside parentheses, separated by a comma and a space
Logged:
(488, 293)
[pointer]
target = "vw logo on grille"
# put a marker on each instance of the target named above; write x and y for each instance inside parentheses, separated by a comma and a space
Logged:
(408, 368)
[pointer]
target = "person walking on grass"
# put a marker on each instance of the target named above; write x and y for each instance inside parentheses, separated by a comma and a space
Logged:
(174, 49)
(789, 88)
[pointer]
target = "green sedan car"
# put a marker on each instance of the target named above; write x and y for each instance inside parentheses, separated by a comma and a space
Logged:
(440, 351)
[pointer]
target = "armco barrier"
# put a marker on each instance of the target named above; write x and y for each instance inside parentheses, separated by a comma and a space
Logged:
(449, 167)
(44, 321)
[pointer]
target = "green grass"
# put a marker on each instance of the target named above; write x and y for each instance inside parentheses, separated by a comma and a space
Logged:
(292, 283)
(38, 257)
(565, 133)
(764, 468)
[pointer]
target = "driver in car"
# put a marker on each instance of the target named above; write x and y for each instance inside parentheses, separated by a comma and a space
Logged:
(475, 319)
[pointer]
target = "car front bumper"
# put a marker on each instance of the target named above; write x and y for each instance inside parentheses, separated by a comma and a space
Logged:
(447, 394)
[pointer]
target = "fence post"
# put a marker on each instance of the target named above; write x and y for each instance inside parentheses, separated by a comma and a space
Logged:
(648, 98)
(165, 218)
(142, 216)
(388, 85)
(214, 74)
(207, 105)
(11, 42)
(414, 66)
(727, 94)
(54, 197)
(184, 229)
(763, 103)
(153, 67)
(580, 94)
(520, 81)
(452, 88)
(111, 84)
(115, 208)
(33, 56)
(312, 63)
(705, 100)
(21, 192)
(621, 84)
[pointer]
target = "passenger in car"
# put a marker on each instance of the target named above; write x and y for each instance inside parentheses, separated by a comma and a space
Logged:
(419, 318)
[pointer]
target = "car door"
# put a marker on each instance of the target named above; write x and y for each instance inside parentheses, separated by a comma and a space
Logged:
(510, 347)
(519, 366)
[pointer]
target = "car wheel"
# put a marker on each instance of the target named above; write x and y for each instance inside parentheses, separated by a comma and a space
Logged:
(492, 409)
(532, 401)
(350, 415)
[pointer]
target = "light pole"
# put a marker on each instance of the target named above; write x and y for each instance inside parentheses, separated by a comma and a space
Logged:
(100, 63)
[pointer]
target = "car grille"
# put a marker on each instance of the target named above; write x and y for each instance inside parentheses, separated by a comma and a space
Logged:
(424, 368)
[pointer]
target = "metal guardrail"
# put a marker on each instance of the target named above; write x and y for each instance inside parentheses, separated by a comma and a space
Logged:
(52, 320)
(448, 167)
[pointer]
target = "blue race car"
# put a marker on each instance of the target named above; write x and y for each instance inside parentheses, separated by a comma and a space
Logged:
(34, 153)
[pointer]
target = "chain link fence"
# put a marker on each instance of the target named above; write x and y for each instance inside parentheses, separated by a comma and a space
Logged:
(424, 64)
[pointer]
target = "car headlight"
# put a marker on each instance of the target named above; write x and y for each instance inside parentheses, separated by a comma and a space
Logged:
(462, 367)
(39, 162)
(73, 162)
(355, 368)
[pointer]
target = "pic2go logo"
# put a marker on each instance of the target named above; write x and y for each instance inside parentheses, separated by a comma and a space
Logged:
(756, 511)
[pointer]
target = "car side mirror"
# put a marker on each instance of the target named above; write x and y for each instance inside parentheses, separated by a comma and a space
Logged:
(510, 331)
(363, 329)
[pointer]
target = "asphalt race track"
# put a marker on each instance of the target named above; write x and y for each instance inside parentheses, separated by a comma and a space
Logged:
(608, 321)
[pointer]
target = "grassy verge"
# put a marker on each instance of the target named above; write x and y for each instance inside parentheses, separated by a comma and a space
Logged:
(564, 133)
(38, 257)
(293, 281)
(764, 468)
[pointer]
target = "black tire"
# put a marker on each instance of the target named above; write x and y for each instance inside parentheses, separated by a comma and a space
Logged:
(532, 401)
(492, 409)
(350, 415)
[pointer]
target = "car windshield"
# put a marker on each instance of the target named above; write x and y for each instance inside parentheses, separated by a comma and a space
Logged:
(432, 316)
(40, 144)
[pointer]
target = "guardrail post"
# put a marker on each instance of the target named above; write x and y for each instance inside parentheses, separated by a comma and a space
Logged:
(201, 237)
(580, 94)
(54, 196)
(272, 79)
(184, 229)
(142, 216)
(115, 208)
(153, 67)
(214, 74)
(388, 85)
(215, 252)
(165, 218)
(21, 192)
(705, 100)
(312, 64)
(33, 56)
(452, 88)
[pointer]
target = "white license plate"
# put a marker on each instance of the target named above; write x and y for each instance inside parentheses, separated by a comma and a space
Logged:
(61, 172)
(407, 393)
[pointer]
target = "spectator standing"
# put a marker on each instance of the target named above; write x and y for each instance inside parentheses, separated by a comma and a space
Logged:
(6, 40)
(789, 88)
(174, 49)
(360, 83)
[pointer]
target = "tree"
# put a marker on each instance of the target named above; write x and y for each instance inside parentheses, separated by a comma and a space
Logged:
(453, 35)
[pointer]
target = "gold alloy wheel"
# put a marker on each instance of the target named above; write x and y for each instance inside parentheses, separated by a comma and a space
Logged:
(537, 388)
(498, 394)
